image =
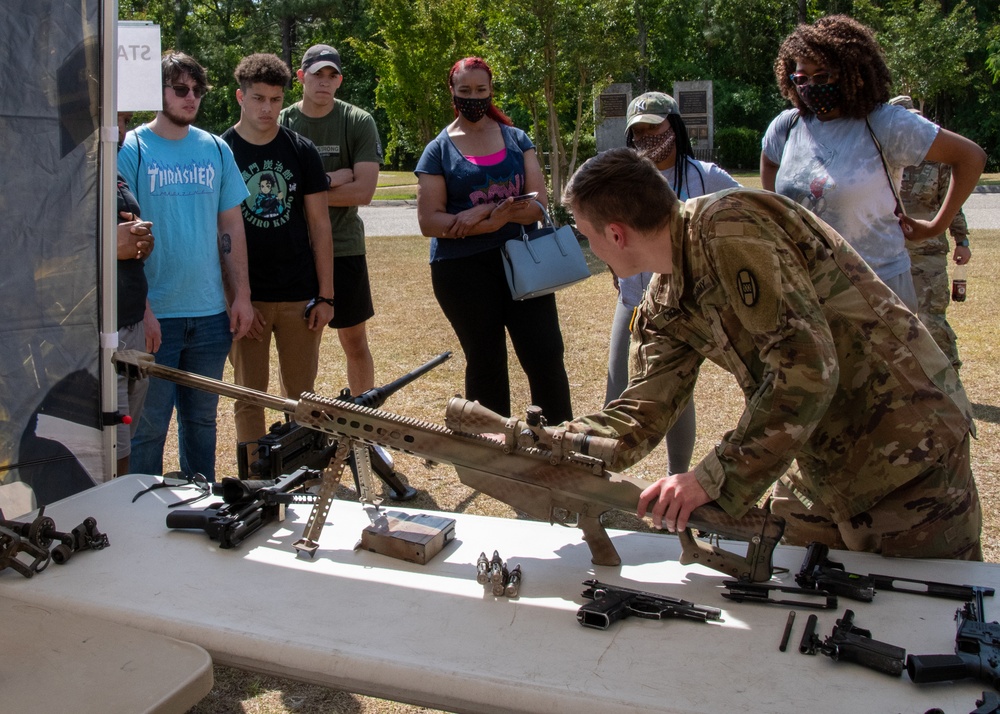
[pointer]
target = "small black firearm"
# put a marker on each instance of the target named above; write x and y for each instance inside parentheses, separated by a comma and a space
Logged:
(977, 650)
(818, 572)
(849, 643)
(612, 603)
(246, 506)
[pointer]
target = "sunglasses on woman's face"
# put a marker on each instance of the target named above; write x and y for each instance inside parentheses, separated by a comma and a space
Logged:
(799, 79)
(182, 90)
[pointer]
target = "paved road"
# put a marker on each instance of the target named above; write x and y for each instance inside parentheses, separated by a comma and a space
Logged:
(398, 219)
(395, 219)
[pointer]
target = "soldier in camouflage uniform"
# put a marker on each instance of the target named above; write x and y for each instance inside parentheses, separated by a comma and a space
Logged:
(922, 192)
(837, 373)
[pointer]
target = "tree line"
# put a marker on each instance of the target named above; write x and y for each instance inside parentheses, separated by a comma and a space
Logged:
(551, 57)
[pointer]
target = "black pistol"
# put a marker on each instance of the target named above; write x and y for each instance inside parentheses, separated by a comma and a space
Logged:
(612, 603)
(849, 643)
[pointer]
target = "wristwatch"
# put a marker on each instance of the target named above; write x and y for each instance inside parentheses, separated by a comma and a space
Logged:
(964, 243)
(313, 303)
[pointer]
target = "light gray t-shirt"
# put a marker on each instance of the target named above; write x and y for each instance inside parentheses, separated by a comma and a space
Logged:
(701, 178)
(833, 168)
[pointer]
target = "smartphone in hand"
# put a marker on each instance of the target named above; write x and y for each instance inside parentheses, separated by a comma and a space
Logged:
(525, 197)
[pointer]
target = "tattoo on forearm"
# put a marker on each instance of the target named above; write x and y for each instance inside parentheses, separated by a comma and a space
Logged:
(226, 244)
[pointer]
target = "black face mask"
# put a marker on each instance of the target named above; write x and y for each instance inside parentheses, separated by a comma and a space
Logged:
(472, 109)
(820, 99)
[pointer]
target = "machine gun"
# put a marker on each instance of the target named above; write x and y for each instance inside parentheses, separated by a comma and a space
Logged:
(818, 572)
(548, 473)
(977, 650)
(289, 446)
(247, 506)
(612, 603)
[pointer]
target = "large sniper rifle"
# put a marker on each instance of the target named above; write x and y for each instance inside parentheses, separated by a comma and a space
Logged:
(546, 472)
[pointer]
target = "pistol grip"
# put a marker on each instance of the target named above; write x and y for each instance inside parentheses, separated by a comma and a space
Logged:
(602, 550)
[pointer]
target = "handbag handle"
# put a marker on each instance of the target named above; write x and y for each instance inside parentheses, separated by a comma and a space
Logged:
(547, 221)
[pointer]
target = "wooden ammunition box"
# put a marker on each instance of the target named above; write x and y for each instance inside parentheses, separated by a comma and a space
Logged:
(416, 538)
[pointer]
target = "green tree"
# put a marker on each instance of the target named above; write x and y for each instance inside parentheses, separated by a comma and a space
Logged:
(926, 48)
(412, 50)
(554, 56)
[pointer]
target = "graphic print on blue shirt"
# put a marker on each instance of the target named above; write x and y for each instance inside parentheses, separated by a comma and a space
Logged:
(498, 189)
(181, 179)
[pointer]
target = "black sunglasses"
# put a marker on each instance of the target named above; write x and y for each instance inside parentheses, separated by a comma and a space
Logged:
(182, 90)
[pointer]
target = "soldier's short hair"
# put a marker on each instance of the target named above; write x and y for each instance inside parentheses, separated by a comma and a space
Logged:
(175, 65)
(262, 68)
(619, 186)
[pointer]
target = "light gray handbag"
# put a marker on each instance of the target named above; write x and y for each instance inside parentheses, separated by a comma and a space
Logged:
(543, 260)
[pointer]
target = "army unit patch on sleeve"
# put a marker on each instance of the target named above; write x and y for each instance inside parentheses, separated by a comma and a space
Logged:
(751, 277)
(746, 285)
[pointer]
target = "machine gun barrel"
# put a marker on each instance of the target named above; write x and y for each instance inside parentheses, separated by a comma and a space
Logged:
(376, 396)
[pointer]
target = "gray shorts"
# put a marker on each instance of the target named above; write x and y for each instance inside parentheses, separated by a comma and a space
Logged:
(131, 392)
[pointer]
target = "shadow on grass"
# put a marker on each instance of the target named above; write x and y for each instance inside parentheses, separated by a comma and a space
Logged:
(986, 412)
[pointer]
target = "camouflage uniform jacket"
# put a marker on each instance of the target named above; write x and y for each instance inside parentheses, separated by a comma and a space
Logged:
(922, 192)
(835, 371)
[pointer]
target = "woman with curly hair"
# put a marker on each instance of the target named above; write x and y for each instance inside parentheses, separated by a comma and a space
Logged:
(841, 151)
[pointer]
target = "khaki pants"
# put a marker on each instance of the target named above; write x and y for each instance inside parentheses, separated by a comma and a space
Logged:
(936, 515)
(298, 362)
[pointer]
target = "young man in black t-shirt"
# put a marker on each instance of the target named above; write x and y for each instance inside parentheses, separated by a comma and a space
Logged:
(289, 242)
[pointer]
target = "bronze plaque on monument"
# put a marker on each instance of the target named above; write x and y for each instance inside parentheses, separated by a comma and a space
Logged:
(613, 105)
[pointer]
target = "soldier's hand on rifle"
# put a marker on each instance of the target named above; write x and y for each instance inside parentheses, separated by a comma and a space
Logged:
(675, 497)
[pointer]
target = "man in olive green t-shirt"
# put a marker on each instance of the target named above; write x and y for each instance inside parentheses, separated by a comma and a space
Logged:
(348, 141)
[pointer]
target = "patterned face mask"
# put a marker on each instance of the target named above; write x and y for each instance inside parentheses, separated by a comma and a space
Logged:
(656, 147)
(472, 109)
(820, 99)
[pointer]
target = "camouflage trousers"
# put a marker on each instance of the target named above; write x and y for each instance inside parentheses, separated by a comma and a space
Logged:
(936, 515)
(930, 280)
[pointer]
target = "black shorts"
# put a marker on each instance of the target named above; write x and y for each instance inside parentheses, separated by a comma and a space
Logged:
(352, 292)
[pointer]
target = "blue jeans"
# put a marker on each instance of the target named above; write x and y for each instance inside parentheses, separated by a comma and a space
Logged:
(194, 344)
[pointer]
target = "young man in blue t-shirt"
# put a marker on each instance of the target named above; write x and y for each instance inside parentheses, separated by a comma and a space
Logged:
(188, 185)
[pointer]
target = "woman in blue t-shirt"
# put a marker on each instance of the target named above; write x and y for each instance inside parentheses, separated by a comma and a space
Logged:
(467, 178)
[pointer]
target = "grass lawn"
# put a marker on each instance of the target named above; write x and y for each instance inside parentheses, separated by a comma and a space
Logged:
(402, 185)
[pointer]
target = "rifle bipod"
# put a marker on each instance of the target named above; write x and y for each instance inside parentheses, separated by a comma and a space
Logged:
(383, 466)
